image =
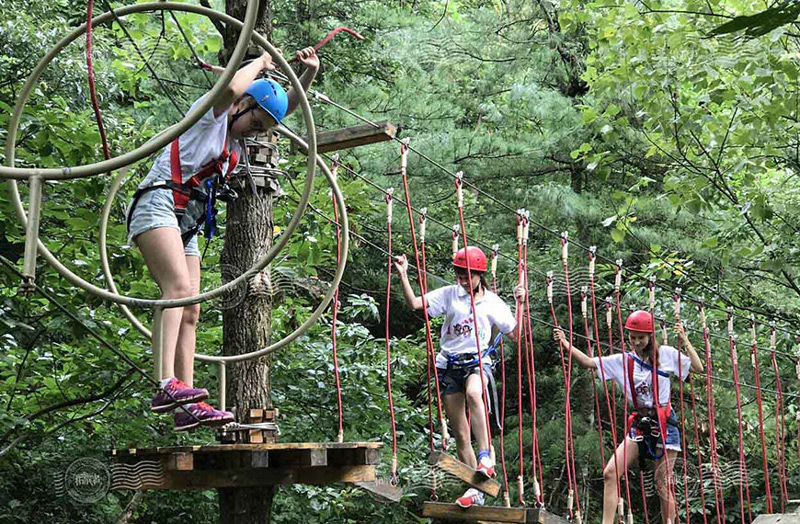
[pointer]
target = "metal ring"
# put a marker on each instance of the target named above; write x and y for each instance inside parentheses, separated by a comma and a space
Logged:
(293, 223)
(328, 297)
(155, 143)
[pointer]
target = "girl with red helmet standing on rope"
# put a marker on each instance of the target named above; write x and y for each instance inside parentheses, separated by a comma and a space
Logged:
(178, 197)
(650, 425)
(458, 364)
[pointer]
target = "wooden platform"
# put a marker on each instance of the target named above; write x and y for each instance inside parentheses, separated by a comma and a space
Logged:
(439, 510)
(458, 469)
(246, 465)
(355, 136)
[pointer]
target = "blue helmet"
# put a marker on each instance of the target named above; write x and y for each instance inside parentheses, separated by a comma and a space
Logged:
(270, 96)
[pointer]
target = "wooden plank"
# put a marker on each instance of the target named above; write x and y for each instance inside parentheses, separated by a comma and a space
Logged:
(439, 510)
(355, 136)
(458, 469)
(211, 479)
(181, 461)
(353, 457)
(382, 489)
(299, 457)
(245, 447)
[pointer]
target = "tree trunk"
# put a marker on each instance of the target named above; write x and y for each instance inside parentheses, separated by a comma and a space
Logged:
(248, 235)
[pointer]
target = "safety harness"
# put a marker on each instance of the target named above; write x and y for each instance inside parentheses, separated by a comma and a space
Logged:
(648, 425)
(210, 176)
(465, 362)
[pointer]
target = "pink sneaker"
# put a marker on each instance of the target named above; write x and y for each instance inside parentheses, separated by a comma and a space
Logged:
(486, 468)
(201, 413)
(174, 394)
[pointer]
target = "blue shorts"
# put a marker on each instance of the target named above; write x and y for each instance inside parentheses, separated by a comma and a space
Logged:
(673, 438)
(454, 378)
(155, 209)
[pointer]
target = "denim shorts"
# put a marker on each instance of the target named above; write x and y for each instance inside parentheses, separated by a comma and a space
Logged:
(155, 209)
(454, 378)
(673, 438)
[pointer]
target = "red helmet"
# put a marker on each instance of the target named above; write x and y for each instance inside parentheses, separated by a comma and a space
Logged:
(639, 321)
(470, 256)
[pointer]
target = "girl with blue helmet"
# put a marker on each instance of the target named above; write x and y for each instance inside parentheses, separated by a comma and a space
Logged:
(171, 204)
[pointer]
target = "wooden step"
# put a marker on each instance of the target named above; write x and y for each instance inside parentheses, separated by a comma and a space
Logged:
(458, 469)
(439, 510)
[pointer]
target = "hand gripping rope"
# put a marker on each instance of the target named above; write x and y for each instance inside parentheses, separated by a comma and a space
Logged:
(335, 308)
(429, 346)
(610, 401)
(625, 387)
(389, 260)
(744, 488)
(780, 421)
(506, 494)
(760, 405)
(719, 500)
(460, 200)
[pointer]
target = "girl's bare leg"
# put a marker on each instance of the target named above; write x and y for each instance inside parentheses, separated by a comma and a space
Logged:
(477, 411)
(610, 476)
(456, 413)
(663, 473)
(184, 353)
(162, 249)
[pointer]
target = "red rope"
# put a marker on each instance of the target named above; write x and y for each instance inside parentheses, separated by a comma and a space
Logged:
(719, 500)
(502, 391)
(625, 387)
(742, 458)
(610, 400)
(595, 396)
(92, 86)
(389, 261)
(536, 453)
(797, 370)
(760, 405)
(340, 435)
(676, 300)
(780, 425)
(459, 188)
(423, 290)
(698, 449)
(522, 339)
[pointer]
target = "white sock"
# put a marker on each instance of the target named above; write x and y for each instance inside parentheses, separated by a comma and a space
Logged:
(164, 382)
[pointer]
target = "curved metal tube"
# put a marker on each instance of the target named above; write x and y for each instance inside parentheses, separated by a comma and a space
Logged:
(315, 315)
(293, 223)
(155, 143)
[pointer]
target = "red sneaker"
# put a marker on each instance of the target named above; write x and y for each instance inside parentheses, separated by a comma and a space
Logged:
(471, 497)
(486, 468)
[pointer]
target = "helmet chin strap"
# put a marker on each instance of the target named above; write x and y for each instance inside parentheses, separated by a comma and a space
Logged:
(239, 114)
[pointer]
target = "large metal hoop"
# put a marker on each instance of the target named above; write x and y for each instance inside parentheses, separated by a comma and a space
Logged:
(296, 217)
(315, 315)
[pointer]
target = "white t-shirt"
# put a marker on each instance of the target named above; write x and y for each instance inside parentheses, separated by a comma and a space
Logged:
(615, 367)
(198, 145)
(457, 336)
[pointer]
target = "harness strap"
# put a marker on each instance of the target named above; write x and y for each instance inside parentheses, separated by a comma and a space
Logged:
(662, 412)
(208, 170)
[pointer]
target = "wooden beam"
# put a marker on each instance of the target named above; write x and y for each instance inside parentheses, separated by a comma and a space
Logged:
(383, 490)
(244, 447)
(355, 136)
(458, 469)
(439, 510)
(239, 478)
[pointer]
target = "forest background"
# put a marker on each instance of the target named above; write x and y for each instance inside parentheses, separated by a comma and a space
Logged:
(626, 124)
